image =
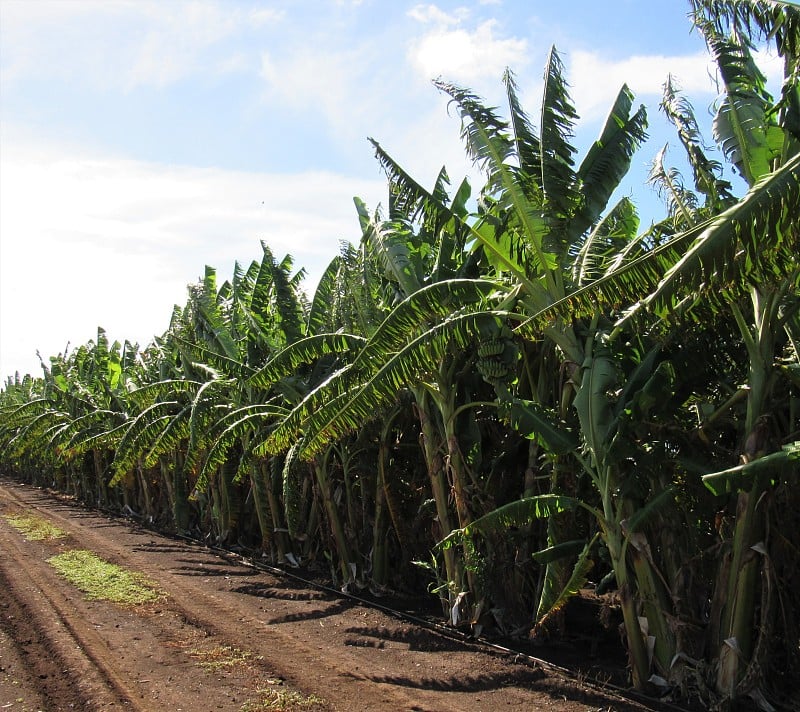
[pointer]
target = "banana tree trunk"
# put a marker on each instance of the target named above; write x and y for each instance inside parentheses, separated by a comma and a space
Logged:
(351, 525)
(636, 579)
(167, 479)
(180, 494)
(386, 492)
(259, 486)
(85, 482)
(637, 648)
(311, 537)
(99, 476)
(146, 506)
(738, 631)
(456, 468)
(225, 499)
(380, 525)
(271, 472)
(654, 599)
(347, 564)
(440, 492)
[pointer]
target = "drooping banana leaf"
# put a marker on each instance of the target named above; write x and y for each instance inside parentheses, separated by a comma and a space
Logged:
(751, 240)
(608, 160)
(253, 419)
(559, 551)
(514, 514)
(593, 404)
(303, 351)
(785, 461)
(413, 362)
(553, 599)
(535, 422)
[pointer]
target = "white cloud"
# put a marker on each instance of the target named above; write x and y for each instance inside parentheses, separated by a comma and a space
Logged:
(356, 95)
(90, 240)
(264, 16)
(175, 38)
(315, 77)
(595, 80)
(462, 55)
(432, 14)
(122, 44)
(341, 91)
(772, 67)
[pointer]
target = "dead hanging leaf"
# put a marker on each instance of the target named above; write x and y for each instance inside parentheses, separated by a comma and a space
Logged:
(455, 612)
(733, 644)
(659, 682)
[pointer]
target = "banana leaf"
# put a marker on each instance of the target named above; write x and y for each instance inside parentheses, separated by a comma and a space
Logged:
(535, 422)
(741, 476)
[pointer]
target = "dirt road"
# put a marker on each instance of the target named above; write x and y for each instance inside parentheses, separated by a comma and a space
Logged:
(226, 637)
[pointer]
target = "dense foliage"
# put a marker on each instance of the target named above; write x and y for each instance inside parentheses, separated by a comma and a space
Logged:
(501, 400)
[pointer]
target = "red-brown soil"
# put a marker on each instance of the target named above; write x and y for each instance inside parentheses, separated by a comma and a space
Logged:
(229, 637)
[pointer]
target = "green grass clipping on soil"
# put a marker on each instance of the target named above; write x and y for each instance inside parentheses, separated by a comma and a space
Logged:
(34, 528)
(101, 580)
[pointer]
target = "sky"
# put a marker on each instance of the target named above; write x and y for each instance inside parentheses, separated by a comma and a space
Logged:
(142, 140)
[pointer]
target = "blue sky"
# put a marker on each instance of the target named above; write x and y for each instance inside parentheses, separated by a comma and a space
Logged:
(141, 140)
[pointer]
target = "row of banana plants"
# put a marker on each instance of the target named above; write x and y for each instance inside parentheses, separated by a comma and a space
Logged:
(499, 399)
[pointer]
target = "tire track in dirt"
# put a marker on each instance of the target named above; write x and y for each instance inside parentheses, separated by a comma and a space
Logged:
(101, 656)
(67, 654)
(31, 677)
(329, 675)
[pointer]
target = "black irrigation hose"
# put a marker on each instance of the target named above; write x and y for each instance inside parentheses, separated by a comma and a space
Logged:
(446, 632)
(602, 686)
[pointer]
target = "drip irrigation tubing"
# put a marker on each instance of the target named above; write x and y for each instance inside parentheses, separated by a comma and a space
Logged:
(478, 643)
(445, 631)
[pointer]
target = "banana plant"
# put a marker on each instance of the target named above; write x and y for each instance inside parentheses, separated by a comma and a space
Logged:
(543, 216)
(70, 427)
(196, 389)
(738, 256)
(236, 329)
(762, 141)
(746, 252)
(352, 395)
